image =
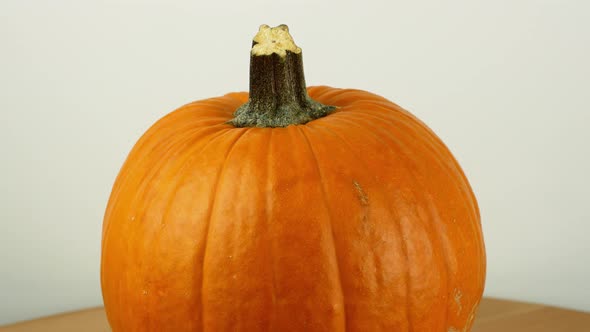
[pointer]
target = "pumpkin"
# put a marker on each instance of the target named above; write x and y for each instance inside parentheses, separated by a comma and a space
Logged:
(291, 209)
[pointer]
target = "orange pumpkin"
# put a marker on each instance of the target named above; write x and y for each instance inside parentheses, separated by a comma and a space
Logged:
(291, 215)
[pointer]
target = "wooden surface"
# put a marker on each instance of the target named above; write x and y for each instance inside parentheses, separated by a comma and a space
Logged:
(493, 316)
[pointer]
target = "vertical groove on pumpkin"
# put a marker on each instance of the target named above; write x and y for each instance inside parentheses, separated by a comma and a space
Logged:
(408, 303)
(140, 226)
(195, 150)
(118, 210)
(170, 194)
(326, 126)
(208, 220)
(148, 176)
(327, 206)
(433, 210)
(145, 181)
(123, 177)
(465, 189)
(408, 279)
(454, 169)
(272, 243)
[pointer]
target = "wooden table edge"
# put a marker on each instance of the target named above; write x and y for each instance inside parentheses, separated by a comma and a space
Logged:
(494, 315)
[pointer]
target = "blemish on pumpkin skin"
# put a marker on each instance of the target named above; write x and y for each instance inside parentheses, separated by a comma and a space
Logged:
(364, 200)
(471, 315)
(457, 295)
(361, 193)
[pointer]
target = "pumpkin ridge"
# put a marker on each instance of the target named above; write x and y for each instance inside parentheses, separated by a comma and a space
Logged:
(437, 146)
(434, 217)
(408, 278)
(143, 144)
(329, 211)
(439, 223)
(273, 243)
(190, 156)
(143, 181)
(440, 229)
(197, 112)
(214, 131)
(208, 220)
(170, 149)
(181, 170)
(319, 91)
(237, 97)
(327, 128)
(331, 96)
(350, 97)
(190, 116)
(434, 145)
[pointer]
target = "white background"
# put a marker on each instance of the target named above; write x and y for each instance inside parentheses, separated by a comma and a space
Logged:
(506, 84)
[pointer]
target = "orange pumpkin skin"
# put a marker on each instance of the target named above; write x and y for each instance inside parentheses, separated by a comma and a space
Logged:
(358, 221)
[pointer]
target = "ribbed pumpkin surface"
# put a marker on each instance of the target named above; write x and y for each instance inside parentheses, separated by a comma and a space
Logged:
(358, 221)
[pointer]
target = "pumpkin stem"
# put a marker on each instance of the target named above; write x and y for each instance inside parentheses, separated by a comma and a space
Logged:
(278, 95)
